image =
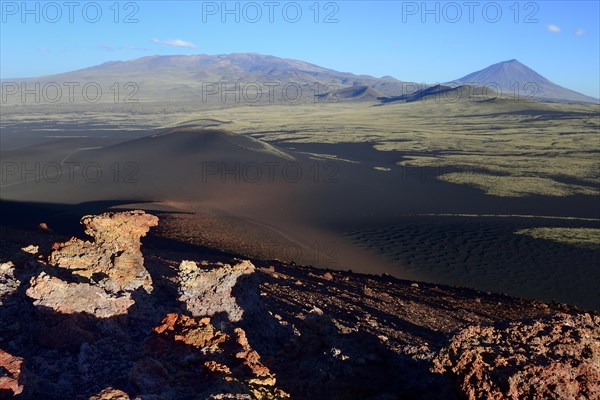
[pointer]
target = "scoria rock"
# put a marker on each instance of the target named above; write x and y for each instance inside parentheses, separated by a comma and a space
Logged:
(114, 259)
(197, 332)
(206, 292)
(251, 359)
(69, 298)
(227, 359)
(149, 376)
(11, 374)
(31, 249)
(557, 357)
(111, 393)
(8, 282)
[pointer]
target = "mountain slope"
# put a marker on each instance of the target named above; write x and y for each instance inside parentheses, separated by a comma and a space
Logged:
(224, 78)
(512, 77)
(355, 93)
(445, 93)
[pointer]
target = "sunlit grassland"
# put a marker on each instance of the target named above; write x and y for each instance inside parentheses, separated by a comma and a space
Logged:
(585, 237)
(503, 147)
(507, 148)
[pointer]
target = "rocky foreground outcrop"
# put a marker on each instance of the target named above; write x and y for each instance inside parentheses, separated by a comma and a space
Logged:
(227, 361)
(98, 320)
(556, 357)
(113, 260)
(112, 267)
(70, 298)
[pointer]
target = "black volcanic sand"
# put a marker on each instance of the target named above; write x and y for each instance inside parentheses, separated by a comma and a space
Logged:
(485, 252)
(15, 136)
(315, 213)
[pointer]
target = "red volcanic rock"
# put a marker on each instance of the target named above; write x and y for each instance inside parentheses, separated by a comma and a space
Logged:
(197, 332)
(216, 367)
(230, 364)
(556, 357)
(114, 259)
(11, 371)
(251, 359)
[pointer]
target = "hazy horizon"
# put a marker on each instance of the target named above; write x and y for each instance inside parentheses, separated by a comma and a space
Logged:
(411, 41)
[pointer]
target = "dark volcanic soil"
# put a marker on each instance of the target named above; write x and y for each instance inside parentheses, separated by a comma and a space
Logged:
(339, 215)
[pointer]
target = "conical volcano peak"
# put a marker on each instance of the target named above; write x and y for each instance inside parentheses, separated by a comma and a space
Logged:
(512, 75)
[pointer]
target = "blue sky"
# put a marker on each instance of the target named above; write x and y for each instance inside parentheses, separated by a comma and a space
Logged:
(413, 41)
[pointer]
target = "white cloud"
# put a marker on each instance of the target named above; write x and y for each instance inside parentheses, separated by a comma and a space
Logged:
(110, 47)
(580, 32)
(552, 28)
(137, 48)
(107, 47)
(176, 43)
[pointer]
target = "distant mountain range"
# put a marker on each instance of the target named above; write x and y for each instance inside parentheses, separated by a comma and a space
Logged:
(254, 78)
